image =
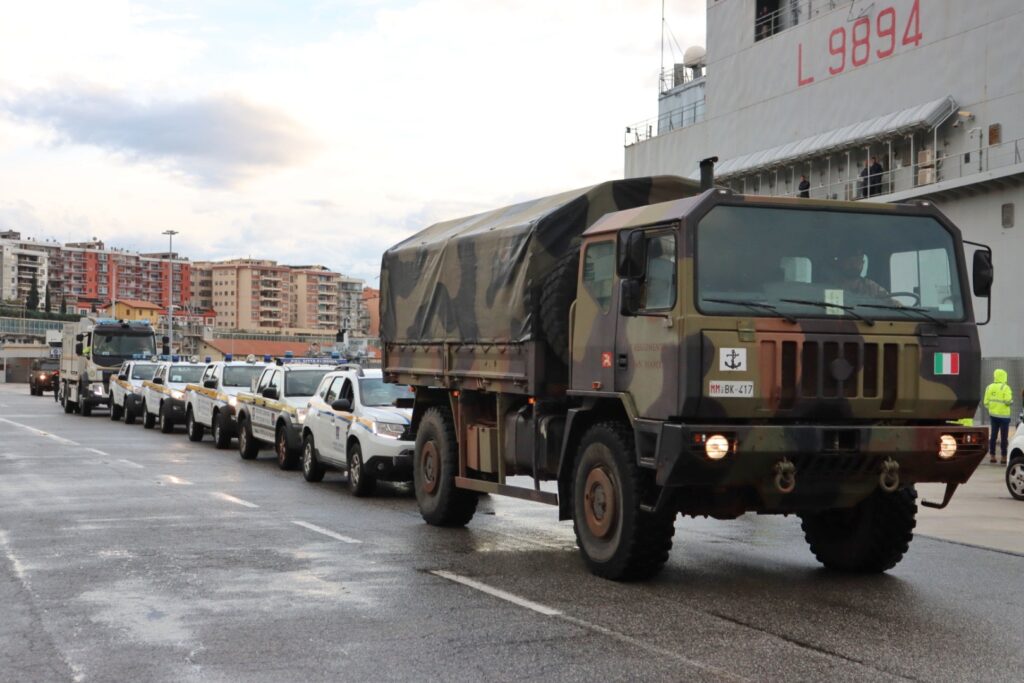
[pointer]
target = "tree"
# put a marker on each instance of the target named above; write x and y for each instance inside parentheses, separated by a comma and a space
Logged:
(46, 300)
(32, 300)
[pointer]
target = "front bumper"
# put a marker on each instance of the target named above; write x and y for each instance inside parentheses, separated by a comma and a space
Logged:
(390, 462)
(175, 408)
(833, 465)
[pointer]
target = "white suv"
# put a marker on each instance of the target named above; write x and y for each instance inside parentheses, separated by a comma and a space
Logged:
(359, 424)
(211, 402)
(163, 397)
(126, 389)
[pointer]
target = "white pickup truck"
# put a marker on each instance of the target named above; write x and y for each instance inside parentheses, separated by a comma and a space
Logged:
(163, 397)
(274, 413)
(126, 389)
(210, 404)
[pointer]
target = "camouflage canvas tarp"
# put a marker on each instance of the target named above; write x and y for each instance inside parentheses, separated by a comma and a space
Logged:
(478, 279)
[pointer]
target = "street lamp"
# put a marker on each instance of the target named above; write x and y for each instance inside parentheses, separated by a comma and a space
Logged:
(170, 286)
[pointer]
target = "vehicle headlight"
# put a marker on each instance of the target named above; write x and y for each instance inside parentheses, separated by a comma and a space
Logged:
(947, 446)
(300, 414)
(97, 389)
(42, 376)
(233, 401)
(388, 430)
(716, 447)
(175, 393)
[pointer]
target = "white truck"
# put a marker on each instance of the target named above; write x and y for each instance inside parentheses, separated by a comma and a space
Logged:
(358, 424)
(163, 397)
(126, 389)
(210, 404)
(93, 349)
(274, 412)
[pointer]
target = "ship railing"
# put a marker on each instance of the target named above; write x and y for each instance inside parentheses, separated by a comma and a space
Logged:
(669, 121)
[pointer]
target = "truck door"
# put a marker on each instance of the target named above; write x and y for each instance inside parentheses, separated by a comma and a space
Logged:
(647, 345)
(594, 318)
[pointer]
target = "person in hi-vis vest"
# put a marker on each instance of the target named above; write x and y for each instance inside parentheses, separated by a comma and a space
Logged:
(998, 402)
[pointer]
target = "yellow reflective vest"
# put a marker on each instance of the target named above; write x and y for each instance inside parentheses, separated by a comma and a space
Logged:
(998, 396)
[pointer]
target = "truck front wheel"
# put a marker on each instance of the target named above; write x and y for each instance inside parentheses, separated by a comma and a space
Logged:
(248, 448)
(435, 463)
(617, 538)
(868, 538)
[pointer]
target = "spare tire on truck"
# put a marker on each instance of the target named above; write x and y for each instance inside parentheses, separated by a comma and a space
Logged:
(555, 301)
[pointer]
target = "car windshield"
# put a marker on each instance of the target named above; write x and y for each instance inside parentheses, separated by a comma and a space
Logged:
(143, 371)
(181, 374)
(374, 392)
(303, 382)
(812, 263)
(240, 376)
(123, 345)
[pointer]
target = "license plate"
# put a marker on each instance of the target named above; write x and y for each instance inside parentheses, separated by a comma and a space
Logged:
(731, 389)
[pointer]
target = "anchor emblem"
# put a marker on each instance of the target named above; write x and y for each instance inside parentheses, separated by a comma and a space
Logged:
(731, 361)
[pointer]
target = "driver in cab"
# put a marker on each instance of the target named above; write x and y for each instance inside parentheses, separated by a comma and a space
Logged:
(849, 271)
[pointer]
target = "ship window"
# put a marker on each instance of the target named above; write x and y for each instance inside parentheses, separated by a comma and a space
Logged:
(598, 273)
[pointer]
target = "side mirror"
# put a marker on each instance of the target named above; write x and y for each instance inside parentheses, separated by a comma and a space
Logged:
(78, 348)
(79, 337)
(342, 405)
(984, 274)
(210, 384)
(158, 380)
(271, 393)
(123, 377)
(629, 296)
(632, 254)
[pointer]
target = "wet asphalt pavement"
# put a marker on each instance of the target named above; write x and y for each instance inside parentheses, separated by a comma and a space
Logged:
(126, 554)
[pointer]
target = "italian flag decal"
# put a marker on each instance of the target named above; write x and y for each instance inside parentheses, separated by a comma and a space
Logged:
(947, 364)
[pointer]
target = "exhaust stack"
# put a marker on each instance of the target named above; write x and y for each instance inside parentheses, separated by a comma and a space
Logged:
(707, 173)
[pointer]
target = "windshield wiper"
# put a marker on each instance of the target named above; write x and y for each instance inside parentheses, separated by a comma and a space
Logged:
(756, 305)
(825, 304)
(924, 313)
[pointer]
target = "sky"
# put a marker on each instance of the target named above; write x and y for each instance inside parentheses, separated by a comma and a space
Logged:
(316, 131)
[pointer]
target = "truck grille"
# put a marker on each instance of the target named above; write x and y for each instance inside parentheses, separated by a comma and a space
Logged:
(838, 369)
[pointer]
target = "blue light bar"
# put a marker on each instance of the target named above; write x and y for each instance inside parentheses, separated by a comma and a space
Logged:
(227, 357)
(266, 358)
(175, 358)
(289, 354)
(209, 359)
(335, 354)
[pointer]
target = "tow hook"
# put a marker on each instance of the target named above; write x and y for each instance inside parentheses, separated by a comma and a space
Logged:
(785, 476)
(889, 479)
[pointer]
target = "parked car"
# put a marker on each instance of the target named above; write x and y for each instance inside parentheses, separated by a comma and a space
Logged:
(1015, 467)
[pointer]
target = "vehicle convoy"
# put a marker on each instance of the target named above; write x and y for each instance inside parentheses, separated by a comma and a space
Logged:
(93, 350)
(126, 389)
(658, 349)
(274, 413)
(211, 402)
(163, 396)
(43, 375)
(358, 424)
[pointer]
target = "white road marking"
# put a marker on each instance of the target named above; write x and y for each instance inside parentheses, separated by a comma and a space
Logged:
(175, 480)
(40, 432)
(130, 463)
(552, 612)
(327, 532)
(231, 499)
(97, 451)
(508, 597)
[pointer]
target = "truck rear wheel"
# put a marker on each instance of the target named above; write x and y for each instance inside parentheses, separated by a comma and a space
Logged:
(557, 295)
(869, 538)
(435, 462)
(617, 538)
(248, 448)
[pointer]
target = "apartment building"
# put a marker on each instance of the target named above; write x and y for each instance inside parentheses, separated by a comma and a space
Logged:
(369, 318)
(201, 277)
(22, 263)
(350, 304)
(94, 275)
(315, 297)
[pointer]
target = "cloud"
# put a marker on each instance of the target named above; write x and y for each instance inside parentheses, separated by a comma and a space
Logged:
(214, 140)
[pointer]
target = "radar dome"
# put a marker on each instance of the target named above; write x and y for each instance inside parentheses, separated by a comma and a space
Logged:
(694, 56)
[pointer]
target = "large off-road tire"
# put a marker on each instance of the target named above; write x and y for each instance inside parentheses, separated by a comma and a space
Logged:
(312, 470)
(148, 418)
(287, 458)
(617, 538)
(116, 411)
(869, 538)
(221, 433)
(248, 447)
(360, 482)
(1015, 477)
(166, 421)
(557, 295)
(193, 428)
(435, 463)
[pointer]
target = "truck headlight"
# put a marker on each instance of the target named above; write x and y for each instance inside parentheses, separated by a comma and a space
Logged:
(97, 389)
(233, 401)
(389, 430)
(300, 413)
(947, 446)
(176, 394)
(716, 447)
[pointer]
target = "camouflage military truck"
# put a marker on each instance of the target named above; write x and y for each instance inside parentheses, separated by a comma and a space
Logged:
(656, 349)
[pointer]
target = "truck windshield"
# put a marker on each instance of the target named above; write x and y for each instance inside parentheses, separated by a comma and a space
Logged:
(375, 392)
(814, 263)
(182, 374)
(143, 371)
(240, 376)
(115, 344)
(303, 382)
